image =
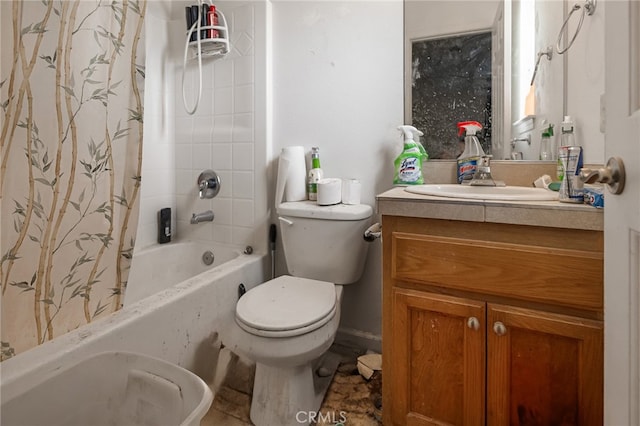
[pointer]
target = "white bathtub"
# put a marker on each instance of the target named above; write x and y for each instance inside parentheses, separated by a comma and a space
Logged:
(161, 266)
(179, 323)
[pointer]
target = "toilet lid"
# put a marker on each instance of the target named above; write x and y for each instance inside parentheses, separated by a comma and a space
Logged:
(287, 303)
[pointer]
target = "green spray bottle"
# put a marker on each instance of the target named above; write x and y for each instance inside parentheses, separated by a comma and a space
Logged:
(408, 165)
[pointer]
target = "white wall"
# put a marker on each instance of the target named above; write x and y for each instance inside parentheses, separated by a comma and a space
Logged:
(337, 84)
(585, 83)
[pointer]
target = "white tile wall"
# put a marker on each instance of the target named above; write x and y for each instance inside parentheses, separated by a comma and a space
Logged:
(221, 135)
(158, 182)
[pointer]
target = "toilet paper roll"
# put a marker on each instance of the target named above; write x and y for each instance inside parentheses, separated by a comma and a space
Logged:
(351, 190)
(295, 188)
(281, 179)
(329, 191)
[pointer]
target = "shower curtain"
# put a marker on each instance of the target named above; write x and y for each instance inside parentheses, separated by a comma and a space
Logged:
(71, 84)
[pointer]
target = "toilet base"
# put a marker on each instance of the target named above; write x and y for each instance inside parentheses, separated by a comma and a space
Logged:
(290, 396)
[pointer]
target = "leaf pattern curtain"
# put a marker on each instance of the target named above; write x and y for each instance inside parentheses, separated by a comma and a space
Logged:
(71, 91)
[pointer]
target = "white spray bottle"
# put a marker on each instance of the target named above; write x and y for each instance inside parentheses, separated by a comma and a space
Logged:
(470, 157)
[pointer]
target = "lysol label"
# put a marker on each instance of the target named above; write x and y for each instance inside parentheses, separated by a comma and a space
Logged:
(409, 170)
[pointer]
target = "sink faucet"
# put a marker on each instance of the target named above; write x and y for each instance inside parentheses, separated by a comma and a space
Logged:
(482, 176)
(202, 217)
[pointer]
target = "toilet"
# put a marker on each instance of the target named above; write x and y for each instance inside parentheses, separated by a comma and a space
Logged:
(288, 323)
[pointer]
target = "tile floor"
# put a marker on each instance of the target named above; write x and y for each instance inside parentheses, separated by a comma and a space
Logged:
(351, 399)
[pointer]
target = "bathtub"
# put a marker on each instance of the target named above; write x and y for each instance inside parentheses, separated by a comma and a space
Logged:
(159, 267)
(172, 312)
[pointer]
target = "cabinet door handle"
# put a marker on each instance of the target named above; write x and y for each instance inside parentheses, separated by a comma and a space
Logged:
(473, 323)
(499, 328)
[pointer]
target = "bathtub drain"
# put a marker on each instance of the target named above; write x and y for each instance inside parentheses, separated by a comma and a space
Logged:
(207, 257)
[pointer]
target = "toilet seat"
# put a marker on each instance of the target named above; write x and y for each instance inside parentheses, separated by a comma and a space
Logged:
(286, 306)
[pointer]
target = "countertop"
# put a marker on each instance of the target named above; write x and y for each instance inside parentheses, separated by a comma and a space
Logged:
(398, 202)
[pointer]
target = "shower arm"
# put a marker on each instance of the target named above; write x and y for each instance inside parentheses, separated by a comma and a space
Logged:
(548, 52)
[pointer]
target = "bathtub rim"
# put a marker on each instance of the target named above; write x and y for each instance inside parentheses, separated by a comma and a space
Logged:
(178, 241)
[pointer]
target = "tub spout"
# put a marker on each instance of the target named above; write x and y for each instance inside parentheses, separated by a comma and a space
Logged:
(202, 217)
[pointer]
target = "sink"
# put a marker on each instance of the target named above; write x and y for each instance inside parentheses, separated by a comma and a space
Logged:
(504, 193)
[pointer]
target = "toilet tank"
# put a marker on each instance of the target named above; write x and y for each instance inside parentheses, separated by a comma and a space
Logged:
(324, 242)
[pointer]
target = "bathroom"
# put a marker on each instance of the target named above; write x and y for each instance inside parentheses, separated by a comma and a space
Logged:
(291, 80)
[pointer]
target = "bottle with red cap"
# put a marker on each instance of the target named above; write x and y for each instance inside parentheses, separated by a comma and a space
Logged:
(470, 157)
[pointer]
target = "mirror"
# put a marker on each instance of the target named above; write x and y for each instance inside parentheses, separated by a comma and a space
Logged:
(513, 31)
(451, 82)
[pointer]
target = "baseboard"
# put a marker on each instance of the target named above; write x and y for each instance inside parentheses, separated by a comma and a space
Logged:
(359, 339)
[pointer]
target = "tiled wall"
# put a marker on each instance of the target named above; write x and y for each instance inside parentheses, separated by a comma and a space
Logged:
(222, 135)
(158, 176)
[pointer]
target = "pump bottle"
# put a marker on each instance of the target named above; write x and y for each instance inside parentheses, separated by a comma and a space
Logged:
(408, 165)
(315, 174)
(470, 157)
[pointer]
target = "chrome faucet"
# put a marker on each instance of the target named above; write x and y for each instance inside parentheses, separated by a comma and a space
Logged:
(482, 176)
(526, 139)
(202, 217)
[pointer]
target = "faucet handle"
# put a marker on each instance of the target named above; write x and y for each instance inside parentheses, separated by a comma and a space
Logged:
(208, 184)
(485, 160)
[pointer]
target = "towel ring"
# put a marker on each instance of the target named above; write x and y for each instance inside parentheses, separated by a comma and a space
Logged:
(589, 7)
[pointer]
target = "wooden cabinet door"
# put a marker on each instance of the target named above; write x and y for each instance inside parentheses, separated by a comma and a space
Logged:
(542, 368)
(438, 360)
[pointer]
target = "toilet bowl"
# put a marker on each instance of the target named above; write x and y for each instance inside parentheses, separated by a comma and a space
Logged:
(286, 324)
(285, 340)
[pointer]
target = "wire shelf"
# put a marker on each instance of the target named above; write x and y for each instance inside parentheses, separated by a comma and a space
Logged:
(210, 46)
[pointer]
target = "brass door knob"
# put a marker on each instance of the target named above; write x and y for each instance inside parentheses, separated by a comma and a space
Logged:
(613, 175)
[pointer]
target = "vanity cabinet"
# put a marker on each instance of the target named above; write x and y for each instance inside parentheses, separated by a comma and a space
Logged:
(494, 324)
